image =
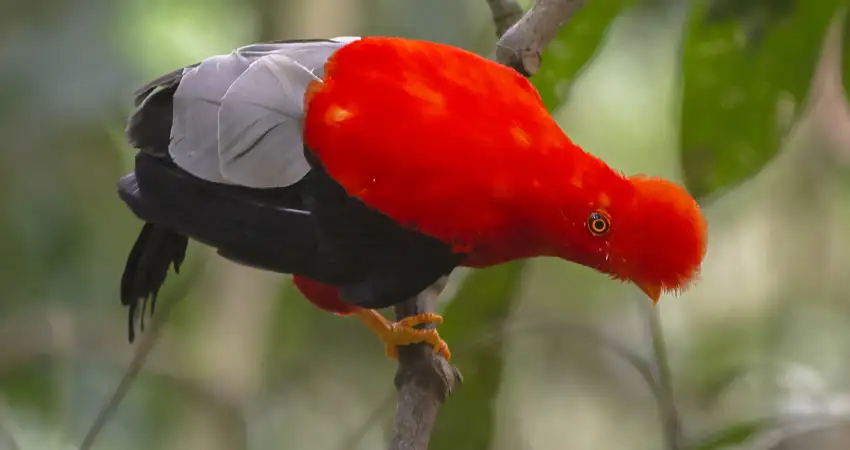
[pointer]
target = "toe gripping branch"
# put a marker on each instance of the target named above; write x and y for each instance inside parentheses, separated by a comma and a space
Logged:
(404, 332)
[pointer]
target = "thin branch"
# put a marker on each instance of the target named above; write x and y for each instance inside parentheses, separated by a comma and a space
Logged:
(423, 381)
(669, 415)
(505, 14)
(146, 344)
(521, 46)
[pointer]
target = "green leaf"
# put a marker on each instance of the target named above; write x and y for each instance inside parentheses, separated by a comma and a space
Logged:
(747, 69)
(735, 434)
(573, 48)
(484, 301)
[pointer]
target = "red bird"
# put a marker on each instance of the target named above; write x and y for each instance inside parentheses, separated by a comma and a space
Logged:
(371, 167)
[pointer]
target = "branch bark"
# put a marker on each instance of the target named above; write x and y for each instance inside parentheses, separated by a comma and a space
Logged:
(521, 46)
(424, 380)
(505, 14)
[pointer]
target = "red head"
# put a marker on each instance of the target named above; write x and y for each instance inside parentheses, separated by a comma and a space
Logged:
(644, 230)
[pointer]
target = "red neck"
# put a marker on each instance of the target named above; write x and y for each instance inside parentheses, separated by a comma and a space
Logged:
(550, 209)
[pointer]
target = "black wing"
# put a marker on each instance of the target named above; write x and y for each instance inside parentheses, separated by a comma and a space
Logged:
(308, 226)
(264, 228)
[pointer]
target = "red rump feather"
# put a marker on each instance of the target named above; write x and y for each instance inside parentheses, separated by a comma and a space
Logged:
(323, 296)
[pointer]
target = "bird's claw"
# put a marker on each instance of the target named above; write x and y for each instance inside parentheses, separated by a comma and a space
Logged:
(404, 332)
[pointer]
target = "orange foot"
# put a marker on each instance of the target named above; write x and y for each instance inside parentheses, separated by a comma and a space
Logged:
(403, 332)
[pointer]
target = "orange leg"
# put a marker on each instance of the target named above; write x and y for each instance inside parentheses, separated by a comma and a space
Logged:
(403, 332)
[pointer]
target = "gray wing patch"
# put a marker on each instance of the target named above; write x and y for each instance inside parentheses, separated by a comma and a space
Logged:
(259, 124)
(194, 146)
(255, 153)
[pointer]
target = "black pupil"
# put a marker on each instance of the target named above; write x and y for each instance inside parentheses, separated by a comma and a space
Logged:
(598, 223)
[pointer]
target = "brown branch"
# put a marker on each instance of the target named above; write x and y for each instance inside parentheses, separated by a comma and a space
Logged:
(521, 46)
(505, 14)
(424, 380)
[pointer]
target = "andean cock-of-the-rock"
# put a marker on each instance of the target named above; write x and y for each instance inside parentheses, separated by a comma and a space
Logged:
(368, 168)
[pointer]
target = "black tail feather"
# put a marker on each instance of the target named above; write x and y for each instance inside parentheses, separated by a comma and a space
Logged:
(265, 231)
(176, 206)
(156, 249)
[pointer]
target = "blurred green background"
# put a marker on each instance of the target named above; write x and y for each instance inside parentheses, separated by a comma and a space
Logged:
(741, 100)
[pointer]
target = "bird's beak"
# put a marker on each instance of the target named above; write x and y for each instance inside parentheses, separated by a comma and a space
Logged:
(653, 291)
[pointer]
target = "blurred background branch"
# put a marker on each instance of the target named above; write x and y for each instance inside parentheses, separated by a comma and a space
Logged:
(660, 367)
(146, 342)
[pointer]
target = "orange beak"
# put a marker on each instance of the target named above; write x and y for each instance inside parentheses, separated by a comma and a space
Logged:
(653, 292)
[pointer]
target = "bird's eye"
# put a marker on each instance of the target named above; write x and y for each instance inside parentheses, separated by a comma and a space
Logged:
(598, 223)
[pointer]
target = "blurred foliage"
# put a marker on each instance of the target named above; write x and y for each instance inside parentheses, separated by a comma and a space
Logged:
(34, 386)
(485, 302)
(573, 47)
(753, 16)
(747, 68)
(245, 362)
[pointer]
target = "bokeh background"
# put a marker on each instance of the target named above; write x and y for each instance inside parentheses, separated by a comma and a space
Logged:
(743, 101)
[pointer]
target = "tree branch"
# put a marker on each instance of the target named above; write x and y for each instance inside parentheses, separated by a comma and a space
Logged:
(425, 380)
(521, 46)
(505, 14)
(146, 344)
(667, 411)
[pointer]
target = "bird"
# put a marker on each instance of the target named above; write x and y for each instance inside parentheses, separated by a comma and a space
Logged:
(368, 168)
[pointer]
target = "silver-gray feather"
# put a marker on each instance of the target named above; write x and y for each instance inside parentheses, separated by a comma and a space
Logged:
(259, 124)
(194, 145)
(237, 117)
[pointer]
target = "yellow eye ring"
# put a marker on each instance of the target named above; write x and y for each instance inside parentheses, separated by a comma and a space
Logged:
(598, 223)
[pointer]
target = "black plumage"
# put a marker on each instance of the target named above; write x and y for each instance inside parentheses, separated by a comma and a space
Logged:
(310, 228)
